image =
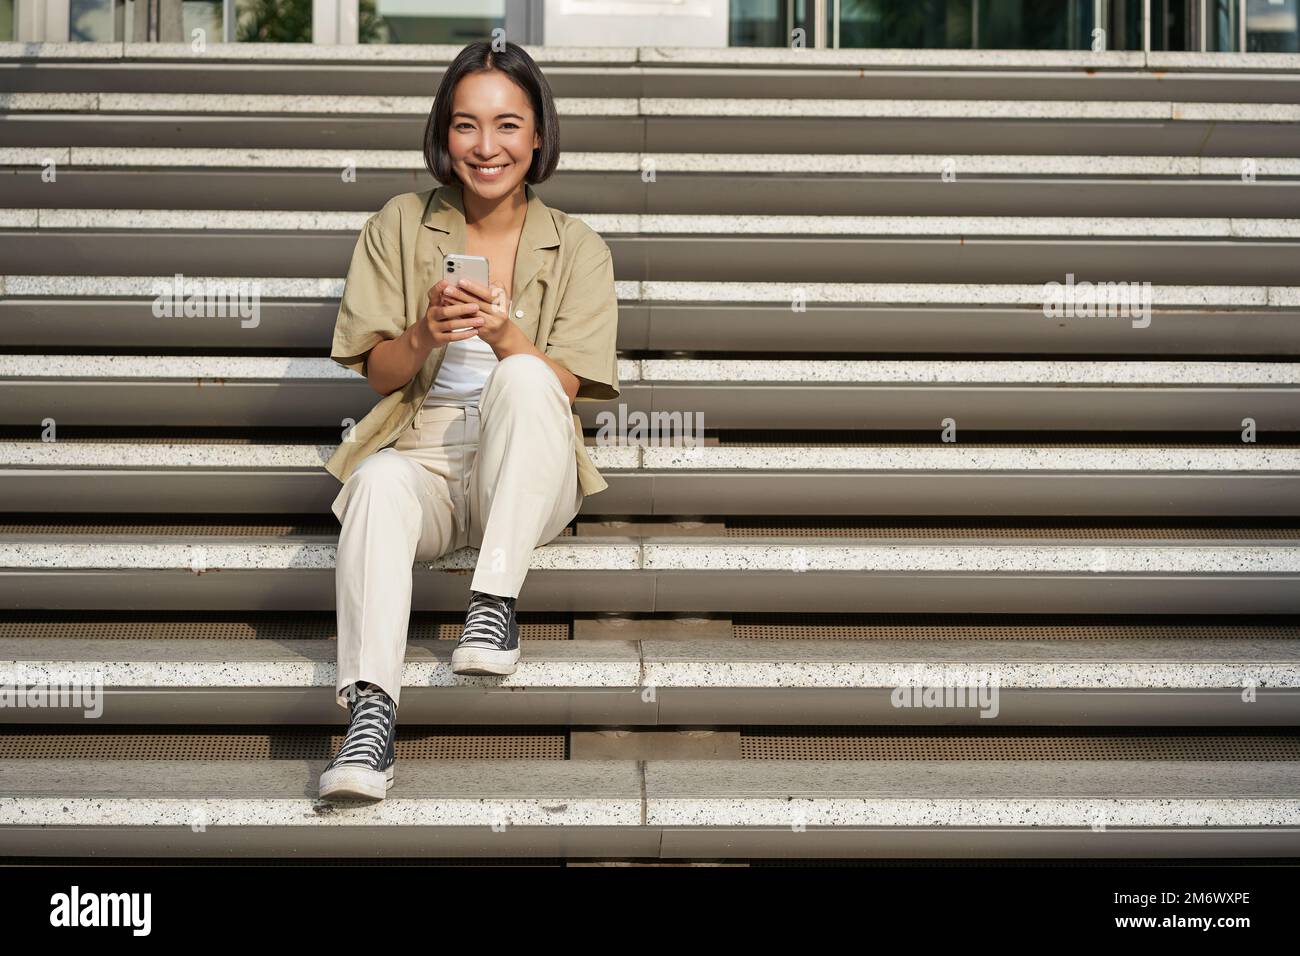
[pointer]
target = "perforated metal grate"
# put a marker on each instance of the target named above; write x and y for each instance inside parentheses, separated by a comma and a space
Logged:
(1036, 441)
(999, 627)
(294, 861)
(181, 434)
(207, 526)
(903, 438)
(741, 527)
(782, 862)
(215, 435)
(308, 743)
(121, 439)
(1015, 528)
(1034, 863)
(767, 743)
(200, 625)
(838, 743)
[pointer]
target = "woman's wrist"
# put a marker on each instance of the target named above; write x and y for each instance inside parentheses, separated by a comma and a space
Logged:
(420, 340)
(513, 342)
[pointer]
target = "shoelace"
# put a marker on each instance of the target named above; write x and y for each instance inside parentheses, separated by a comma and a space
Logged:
(367, 737)
(487, 621)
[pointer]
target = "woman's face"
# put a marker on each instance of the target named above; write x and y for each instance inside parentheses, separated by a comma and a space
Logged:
(492, 125)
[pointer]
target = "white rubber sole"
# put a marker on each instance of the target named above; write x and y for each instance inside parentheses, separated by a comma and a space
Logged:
(483, 660)
(355, 783)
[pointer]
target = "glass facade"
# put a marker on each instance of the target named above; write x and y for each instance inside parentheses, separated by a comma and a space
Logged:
(934, 24)
(205, 15)
(986, 24)
(95, 21)
(1271, 26)
(271, 21)
(1178, 25)
(930, 24)
(455, 22)
(758, 23)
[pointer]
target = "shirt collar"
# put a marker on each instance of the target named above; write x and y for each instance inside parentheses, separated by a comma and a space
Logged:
(445, 213)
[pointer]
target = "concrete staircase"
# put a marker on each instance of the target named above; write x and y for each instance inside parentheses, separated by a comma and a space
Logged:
(826, 633)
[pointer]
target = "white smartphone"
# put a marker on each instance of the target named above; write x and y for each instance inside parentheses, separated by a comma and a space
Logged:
(456, 265)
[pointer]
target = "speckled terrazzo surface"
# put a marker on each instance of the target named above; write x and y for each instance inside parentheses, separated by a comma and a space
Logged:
(180, 455)
(274, 104)
(972, 793)
(1045, 372)
(723, 554)
(1160, 663)
(747, 107)
(148, 286)
(803, 664)
(837, 293)
(604, 554)
(955, 458)
(282, 792)
(72, 454)
(188, 220)
(729, 163)
(272, 220)
(731, 555)
(793, 371)
(681, 793)
(194, 366)
(225, 663)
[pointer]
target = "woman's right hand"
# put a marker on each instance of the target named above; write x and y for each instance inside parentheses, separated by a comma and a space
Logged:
(442, 321)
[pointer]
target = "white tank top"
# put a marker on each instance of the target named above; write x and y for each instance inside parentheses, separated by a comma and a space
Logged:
(464, 369)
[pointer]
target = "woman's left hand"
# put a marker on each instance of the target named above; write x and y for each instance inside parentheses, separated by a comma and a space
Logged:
(494, 307)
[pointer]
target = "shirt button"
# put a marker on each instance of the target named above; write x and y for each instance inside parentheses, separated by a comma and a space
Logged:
(519, 313)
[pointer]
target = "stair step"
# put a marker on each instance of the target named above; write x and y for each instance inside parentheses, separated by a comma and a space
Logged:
(1152, 681)
(1219, 298)
(694, 573)
(883, 257)
(689, 808)
(184, 476)
(115, 313)
(750, 107)
(730, 228)
(855, 394)
(148, 160)
(691, 184)
(599, 183)
(737, 120)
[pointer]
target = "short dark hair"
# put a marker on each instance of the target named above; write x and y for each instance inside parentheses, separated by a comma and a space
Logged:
(515, 63)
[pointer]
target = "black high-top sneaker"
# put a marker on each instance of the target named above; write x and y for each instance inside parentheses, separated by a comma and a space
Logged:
(489, 643)
(363, 767)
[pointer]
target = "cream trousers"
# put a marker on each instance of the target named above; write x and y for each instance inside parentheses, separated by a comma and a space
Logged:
(500, 476)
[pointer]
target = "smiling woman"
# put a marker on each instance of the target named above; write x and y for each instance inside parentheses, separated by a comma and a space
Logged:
(474, 441)
(503, 97)
(491, 142)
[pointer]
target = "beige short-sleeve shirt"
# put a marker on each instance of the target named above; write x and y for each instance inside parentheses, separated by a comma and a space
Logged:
(564, 300)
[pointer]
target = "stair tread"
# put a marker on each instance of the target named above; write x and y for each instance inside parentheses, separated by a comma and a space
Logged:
(617, 784)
